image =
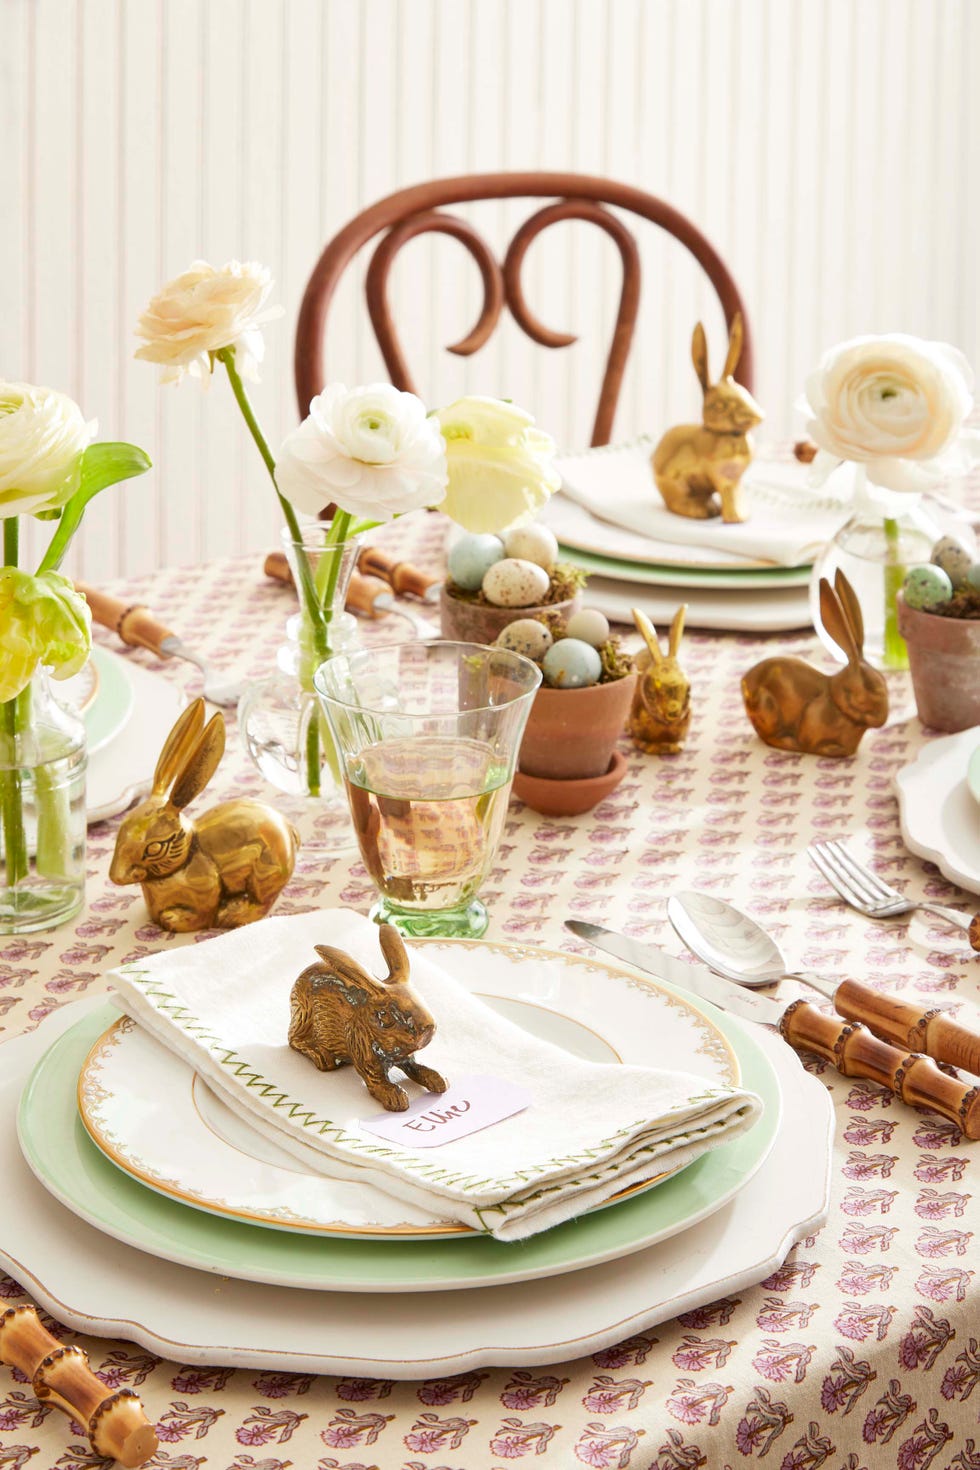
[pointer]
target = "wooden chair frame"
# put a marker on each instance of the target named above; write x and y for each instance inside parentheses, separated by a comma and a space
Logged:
(418, 210)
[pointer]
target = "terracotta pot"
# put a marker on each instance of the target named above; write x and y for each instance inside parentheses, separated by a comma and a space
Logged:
(944, 659)
(475, 622)
(573, 732)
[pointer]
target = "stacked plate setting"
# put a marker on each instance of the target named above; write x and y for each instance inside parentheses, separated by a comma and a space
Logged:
(171, 1185)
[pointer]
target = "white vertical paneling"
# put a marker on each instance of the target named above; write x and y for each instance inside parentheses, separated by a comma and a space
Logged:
(828, 149)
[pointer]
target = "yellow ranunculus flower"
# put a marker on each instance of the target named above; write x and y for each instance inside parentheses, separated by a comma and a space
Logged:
(43, 620)
(501, 468)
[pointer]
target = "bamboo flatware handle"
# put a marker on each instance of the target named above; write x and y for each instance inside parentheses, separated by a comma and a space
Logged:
(369, 596)
(856, 1052)
(910, 1026)
(114, 1419)
(402, 576)
(131, 621)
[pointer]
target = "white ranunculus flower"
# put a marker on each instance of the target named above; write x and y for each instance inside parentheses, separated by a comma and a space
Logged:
(202, 311)
(371, 451)
(895, 404)
(43, 435)
(501, 469)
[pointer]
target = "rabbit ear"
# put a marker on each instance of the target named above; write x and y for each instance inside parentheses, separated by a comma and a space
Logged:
(201, 764)
(836, 622)
(735, 336)
(699, 354)
(649, 634)
(852, 608)
(395, 957)
(178, 745)
(676, 630)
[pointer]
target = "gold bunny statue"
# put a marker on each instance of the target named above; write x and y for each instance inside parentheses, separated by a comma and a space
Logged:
(793, 706)
(699, 467)
(222, 869)
(661, 709)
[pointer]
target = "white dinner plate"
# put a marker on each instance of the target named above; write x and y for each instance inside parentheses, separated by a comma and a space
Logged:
(577, 990)
(758, 610)
(939, 815)
(200, 1151)
(102, 693)
(94, 1284)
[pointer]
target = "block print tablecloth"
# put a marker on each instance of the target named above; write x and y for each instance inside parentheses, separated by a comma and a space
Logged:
(863, 1350)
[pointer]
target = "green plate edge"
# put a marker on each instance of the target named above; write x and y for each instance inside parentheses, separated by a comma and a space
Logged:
(60, 1152)
(113, 702)
(658, 574)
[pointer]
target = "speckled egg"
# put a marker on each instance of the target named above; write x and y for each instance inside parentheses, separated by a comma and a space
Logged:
(471, 558)
(590, 625)
(571, 664)
(953, 558)
(533, 543)
(526, 636)
(926, 587)
(973, 577)
(515, 583)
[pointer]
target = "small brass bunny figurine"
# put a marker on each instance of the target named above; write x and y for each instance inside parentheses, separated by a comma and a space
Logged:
(794, 706)
(223, 869)
(340, 1014)
(661, 709)
(699, 467)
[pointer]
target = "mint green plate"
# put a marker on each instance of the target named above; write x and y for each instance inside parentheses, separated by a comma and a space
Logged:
(113, 702)
(676, 576)
(63, 1157)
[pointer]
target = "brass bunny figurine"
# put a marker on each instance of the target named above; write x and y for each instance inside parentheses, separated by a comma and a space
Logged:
(661, 709)
(340, 1015)
(226, 867)
(794, 706)
(699, 467)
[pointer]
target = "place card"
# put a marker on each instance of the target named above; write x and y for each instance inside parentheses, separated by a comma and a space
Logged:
(436, 1118)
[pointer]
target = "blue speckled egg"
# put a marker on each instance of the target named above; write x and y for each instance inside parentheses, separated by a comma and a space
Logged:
(590, 625)
(527, 636)
(471, 558)
(954, 559)
(926, 587)
(571, 664)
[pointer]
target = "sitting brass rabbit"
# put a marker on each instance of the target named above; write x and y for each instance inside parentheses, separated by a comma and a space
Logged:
(340, 1015)
(794, 706)
(699, 467)
(223, 869)
(661, 709)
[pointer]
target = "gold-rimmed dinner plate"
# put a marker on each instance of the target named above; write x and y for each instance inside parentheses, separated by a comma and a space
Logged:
(154, 1118)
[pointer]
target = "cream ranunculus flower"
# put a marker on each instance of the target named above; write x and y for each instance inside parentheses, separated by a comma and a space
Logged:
(202, 311)
(370, 451)
(43, 435)
(895, 404)
(501, 468)
(43, 620)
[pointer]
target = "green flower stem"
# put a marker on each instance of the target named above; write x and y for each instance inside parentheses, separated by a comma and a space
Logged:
(895, 652)
(11, 789)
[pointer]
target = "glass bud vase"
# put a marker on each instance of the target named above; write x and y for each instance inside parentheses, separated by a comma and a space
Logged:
(874, 553)
(284, 729)
(42, 810)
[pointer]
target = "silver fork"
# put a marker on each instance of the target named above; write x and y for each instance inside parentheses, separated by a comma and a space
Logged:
(866, 892)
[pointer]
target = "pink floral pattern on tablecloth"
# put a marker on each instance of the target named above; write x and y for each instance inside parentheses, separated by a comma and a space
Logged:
(861, 1351)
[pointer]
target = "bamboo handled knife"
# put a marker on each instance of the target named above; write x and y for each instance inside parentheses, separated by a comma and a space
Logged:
(847, 1045)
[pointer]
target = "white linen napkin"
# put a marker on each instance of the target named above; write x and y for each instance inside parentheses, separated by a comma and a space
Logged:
(788, 521)
(591, 1128)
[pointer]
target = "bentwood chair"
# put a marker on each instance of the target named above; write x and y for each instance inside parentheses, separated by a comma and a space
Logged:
(418, 210)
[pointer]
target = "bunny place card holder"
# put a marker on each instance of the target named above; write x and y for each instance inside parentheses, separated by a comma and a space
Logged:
(221, 869)
(661, 713)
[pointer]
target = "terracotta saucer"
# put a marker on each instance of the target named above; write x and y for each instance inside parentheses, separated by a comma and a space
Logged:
(569, 797)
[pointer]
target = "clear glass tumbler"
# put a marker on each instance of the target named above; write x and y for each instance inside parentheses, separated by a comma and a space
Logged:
(428, 735)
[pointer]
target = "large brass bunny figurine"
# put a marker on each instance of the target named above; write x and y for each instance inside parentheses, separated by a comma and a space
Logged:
(223, 869)
(699, 467)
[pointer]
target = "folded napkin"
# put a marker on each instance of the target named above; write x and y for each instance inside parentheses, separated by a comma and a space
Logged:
(591, 1129)
(788, 522)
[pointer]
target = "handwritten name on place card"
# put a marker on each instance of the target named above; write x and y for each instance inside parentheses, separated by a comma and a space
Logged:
(465, 1107)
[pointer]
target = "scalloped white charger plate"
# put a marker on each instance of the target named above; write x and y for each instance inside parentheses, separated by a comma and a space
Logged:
(93, 1284)
(938, 812)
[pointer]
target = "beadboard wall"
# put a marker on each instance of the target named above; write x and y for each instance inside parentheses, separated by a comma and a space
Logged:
(829, 148)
